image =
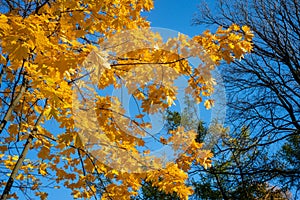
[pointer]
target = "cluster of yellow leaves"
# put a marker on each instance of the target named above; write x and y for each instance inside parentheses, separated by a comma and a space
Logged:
(226, 44)
(170, 180)
(43, 52)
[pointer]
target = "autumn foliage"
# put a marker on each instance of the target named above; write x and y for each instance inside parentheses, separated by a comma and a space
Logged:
(44, 48)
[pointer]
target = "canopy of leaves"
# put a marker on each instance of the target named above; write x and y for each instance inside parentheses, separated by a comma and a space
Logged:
(44, 46)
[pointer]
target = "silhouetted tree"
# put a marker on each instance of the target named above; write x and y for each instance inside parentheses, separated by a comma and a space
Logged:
(263, 90)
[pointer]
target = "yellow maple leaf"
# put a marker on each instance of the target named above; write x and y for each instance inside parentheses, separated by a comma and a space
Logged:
(44, 152)
(43, 169)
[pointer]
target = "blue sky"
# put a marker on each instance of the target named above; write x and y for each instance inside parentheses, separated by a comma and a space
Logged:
(175, 15)
(169, 14)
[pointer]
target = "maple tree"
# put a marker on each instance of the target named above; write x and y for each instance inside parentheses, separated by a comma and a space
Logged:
(44, 48)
